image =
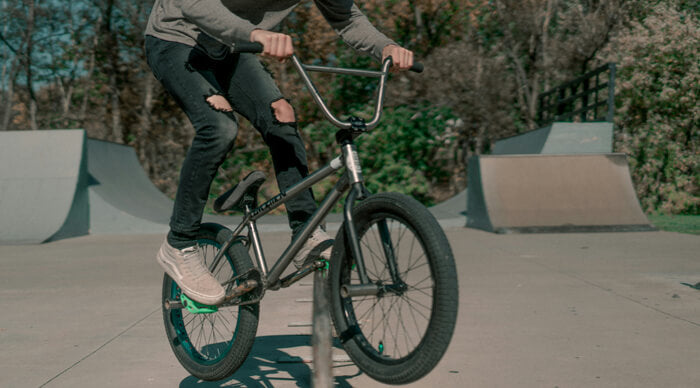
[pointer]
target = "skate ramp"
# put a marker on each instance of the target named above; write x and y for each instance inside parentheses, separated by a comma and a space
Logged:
(123, 200)
(122, 197)
(560, 138)
(452, 211)
(43, 186)
(553, 193)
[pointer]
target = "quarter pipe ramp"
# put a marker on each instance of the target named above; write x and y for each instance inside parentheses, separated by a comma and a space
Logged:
(122, 197)
(43, 186)
(57, 184)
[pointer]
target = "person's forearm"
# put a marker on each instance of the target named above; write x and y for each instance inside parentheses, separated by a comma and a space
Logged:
(357, 31)
(212, 17)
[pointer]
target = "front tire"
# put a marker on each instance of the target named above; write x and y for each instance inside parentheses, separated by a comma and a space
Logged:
(399, 336)
(212, 346)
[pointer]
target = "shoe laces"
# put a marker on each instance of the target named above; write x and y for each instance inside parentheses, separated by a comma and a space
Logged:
(192, 260)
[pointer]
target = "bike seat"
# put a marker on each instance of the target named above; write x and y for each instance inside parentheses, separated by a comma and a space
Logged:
(242, 194)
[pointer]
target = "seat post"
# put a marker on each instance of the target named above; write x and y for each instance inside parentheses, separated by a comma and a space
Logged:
(254, 237)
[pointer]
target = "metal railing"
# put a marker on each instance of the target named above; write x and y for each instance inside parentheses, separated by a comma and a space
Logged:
(590, 97)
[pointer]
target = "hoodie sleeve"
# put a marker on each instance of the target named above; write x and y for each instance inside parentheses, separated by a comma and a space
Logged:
(212, 17)
(353, 26)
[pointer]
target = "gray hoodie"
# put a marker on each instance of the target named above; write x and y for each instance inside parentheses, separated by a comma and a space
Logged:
(216, 25)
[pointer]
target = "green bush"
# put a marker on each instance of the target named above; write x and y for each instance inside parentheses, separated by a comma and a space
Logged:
(407, 153)
(657, 108)
(410, 152)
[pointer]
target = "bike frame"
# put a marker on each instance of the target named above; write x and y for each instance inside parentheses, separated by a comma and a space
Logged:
(351, 181)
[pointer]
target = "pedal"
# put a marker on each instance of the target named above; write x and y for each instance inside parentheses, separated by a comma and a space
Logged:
(196, 307)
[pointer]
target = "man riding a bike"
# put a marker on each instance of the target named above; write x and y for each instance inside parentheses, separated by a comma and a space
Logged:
(189, 49)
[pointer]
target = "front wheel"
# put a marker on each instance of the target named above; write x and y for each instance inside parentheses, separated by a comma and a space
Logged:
(212, 346)
(398, 334)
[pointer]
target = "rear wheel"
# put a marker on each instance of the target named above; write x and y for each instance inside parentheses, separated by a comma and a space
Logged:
(212, 346)
(398, 334)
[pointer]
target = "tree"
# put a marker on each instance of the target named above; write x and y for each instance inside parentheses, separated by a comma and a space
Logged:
(18, 37)
(10, 63)
(658, 86)
(549, 40)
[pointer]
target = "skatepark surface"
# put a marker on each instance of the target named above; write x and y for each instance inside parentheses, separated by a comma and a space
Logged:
(536, 310)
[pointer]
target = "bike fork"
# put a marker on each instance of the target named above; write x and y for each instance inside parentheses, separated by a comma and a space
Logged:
(351, 232)
(358, 190)
(366, 286)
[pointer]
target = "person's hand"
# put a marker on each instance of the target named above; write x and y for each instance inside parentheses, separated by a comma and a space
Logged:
(275, 45)
(402, 58)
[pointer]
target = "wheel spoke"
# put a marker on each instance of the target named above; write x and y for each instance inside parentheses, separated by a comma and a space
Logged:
(409, 345)
(374, 257)
(428, 278)
(369, 310)
(417, 266)
(409, 300)
(415, 322)
(420, 290)
(384, 313)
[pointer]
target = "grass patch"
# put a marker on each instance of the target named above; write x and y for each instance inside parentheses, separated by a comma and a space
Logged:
(680, 223)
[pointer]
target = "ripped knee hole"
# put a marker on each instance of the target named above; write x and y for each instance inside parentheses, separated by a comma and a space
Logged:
(283, 111)
(219, 103)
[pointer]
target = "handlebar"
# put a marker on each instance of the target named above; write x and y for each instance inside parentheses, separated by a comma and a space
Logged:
(256, 48)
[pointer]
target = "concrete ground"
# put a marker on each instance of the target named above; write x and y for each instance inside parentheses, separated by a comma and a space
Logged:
(544, 310)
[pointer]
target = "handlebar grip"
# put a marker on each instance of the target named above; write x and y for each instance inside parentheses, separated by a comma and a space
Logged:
(417, 67)
(248, 47)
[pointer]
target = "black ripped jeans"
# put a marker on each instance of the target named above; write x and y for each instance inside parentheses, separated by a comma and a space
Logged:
(192, 77)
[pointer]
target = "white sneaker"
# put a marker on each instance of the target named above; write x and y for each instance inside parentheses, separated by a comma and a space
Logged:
(186, 268)
(318, 246)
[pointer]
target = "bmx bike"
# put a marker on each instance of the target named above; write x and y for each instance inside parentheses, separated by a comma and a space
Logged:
(391, 279)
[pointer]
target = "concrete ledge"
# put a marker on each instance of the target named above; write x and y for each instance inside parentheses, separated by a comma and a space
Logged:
(560, 138)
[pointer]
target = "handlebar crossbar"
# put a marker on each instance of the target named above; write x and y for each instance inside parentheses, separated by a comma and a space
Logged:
(319, 100)
(302, 69)
(341, 70)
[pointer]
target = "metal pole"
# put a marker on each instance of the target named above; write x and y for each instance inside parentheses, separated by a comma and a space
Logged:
(321, 336)
(611, 94)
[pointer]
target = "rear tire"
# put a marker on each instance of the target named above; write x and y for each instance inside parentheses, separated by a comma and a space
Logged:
(396, 337)
(212, 346)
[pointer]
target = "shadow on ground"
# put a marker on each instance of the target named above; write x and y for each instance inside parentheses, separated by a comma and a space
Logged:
(267, 360)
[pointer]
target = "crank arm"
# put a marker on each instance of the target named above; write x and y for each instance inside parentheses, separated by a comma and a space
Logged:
(243, 288)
